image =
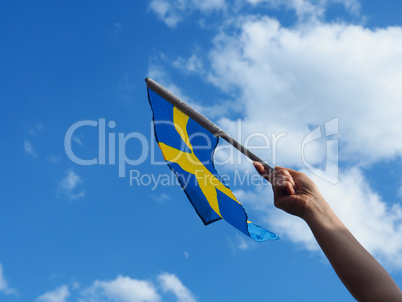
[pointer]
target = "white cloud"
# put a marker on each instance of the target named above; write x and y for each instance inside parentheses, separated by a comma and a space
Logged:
(311, 9)
(374, 222)
(33, 131)
(60, 294)
(306, 76)
(54, 159)
(376, 225)
(240, 242)
(171, 283)
(70, 185)
(172, 12)
(122, 289)
(353, 6)
(29, 148)
(166, 12)
(303, 8)
(70, 181)
(161, 198)
(77, 140)
(157, 73)
(243, 245)
(290, 80)
(4, 287)
(192, 64)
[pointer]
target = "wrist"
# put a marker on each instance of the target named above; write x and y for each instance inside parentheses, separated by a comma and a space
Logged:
(319, 212)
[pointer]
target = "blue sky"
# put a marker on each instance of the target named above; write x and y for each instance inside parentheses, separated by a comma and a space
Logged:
(280, 69)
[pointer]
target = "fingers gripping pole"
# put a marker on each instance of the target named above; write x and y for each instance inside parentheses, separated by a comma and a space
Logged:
(203, 121)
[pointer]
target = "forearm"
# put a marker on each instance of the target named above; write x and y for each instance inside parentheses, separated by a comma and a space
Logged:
(363, 276)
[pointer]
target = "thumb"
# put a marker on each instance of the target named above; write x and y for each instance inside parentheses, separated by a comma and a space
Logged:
(261, 170)
(291, 171)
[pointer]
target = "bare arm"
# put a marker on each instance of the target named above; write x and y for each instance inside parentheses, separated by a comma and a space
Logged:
(362, 275)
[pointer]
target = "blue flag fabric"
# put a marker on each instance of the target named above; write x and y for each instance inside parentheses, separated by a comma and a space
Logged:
(188, 149)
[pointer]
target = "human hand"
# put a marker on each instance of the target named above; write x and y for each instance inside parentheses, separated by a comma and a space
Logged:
(363, 276)
(294, 192)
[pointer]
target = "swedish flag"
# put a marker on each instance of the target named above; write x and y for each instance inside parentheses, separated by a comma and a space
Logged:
(188, 149)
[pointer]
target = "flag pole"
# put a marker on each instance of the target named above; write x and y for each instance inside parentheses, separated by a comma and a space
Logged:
(203, 121)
